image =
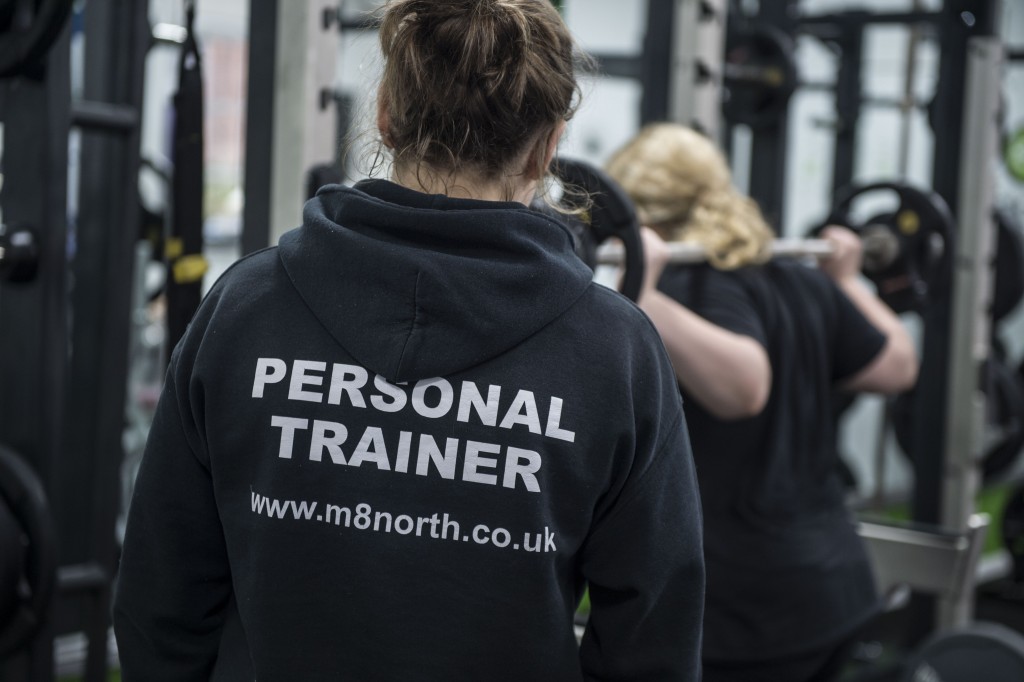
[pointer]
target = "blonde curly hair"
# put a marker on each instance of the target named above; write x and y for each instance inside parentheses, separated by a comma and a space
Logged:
(682, 188)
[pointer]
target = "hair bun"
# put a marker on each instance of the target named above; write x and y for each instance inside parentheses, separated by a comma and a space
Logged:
(473, 82)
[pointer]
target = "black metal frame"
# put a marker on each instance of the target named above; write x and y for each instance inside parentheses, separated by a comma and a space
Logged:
(63, 372)
(33, 315)
(769, 145)
(259, 129)
(107, 230)
(845, 33)
(656, 60)
(845, 30)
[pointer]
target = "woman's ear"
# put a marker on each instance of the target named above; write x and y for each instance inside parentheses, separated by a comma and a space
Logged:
(552, 143)
(384, 121)
(544, 151)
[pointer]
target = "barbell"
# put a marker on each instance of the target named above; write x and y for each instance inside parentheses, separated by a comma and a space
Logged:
(907, 251)
(683, 253)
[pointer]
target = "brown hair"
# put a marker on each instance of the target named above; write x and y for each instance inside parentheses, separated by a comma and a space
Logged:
(474, 84)
(682, 188)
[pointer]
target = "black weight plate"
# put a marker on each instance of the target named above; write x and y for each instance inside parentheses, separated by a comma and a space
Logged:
(584, 241)
(923, 228)
(759, 76)
(1008, 287)
(23, 494)
(611, 214)
(986, 652)
(24, 39)
(1013, 531)
(12, 563)
(1004, 417)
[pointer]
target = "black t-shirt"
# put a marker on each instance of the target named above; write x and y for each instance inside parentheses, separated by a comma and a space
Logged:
(786, 570)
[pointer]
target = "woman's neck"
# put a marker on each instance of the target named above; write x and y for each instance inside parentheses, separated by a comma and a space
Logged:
(464, 185)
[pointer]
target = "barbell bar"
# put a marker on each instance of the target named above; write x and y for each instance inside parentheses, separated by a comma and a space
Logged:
(684, 253)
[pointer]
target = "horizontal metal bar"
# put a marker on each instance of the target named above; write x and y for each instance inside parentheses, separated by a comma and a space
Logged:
(938, 562)
(866, 18)
(104, 116)
(618, 66)
(993, 567)
(684, 253)
(368, 24)
(82, 578)
(170, 34)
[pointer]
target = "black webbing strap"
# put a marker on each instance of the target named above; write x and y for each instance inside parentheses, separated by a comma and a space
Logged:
(185, 243)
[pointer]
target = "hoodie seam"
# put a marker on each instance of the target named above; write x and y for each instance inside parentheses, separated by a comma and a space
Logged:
(412, 326)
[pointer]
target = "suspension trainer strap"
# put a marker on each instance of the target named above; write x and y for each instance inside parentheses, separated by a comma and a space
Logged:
(185, 243)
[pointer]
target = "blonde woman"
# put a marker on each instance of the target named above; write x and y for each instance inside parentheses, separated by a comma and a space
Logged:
(758, 348)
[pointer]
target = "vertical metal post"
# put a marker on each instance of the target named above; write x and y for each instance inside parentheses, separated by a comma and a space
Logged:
(698, 50)
(33, 315)
(848, 101)
(296, 133)
(972, 292)
(931, 405)
(770, 146)
(117, 39)
(303, 132)
(259, 152)
(656, 75)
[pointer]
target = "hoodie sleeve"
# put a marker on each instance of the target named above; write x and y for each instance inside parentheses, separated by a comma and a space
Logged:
(644, 561)
(173, 584)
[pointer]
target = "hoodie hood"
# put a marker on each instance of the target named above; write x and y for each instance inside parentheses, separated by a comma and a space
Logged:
(415, 286)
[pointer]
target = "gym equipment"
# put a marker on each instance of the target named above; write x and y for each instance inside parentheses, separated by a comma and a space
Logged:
(184, 248)
(759, 75)
(22, 494)
(27, 30)
(980, 651)
(909, 252)
(12, 563)
(1013, 154)
(1008, 285)
(906, 253)
(682, 253)
(604, 211)
(1004, 415)
(19, 253)
(1013, 531)
(320, 175)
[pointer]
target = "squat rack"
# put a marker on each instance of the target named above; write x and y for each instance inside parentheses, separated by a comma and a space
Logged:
(956, 323)
(64, 346)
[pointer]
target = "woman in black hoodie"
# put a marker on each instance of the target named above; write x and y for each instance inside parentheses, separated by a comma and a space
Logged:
(398, 445)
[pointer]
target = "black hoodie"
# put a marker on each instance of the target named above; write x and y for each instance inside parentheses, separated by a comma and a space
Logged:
(396, 447)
